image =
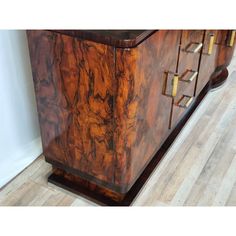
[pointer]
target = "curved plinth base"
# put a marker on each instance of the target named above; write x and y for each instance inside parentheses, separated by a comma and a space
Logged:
(86, 189)
(105, 196)
(219, 79)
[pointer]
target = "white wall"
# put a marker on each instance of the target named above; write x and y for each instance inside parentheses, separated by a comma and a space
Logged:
(20, 140)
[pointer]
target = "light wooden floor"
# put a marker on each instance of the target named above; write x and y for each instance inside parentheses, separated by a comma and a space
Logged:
(198, 170)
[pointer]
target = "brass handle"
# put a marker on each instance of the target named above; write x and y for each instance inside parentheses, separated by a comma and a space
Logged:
(185, 101)
(232, 37)
(175, 82)
(211, 44)
(189, 78)
(194, 47)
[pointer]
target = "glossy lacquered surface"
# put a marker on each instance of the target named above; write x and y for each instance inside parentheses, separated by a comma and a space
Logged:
(142, 109)
(115, 38)
(104, 110)
(74, 89)
(188, 61)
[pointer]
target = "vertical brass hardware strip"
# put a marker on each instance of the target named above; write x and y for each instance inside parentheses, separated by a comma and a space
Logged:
(211, 44)
(232, 38)
(175, 82)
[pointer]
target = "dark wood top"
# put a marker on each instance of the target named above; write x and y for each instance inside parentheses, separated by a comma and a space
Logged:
(116, 38)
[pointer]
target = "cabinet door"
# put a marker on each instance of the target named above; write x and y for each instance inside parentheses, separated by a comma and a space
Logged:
(208, 59)
(189, 56)
(73, 86)
(226, 42)
(142, 109)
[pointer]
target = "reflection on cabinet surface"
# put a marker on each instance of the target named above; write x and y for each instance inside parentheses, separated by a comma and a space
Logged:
(111, 102)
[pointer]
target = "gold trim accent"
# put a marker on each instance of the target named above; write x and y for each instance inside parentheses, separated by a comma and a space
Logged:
(211, 44)
(175, 82)
(187, 102)
(191, 78)
(232, 37)
(194, 47)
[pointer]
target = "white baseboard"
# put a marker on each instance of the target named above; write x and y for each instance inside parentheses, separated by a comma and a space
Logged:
(18, 161)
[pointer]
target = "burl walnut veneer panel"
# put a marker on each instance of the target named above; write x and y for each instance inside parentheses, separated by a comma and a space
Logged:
(142, 109)
(106, 102)
(98, 120)
(74, 89)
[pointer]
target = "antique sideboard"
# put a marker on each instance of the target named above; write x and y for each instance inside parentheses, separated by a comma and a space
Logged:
(110, 103)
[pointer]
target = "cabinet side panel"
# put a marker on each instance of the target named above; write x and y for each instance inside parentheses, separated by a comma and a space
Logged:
(142, 110)
(225, 51)
(73, 86)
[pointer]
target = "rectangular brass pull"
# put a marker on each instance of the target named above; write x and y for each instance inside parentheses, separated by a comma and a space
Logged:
(189, 76)
(232, 38)
(194, 47)
(211, 44)
(185, 101)
(175, 82)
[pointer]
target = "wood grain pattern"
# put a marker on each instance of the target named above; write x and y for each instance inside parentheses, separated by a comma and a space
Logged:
(191, 174)
(141, 108)
(73, 85)
(115, 38)
(104, 111)
(75, 103)
(188, 175)
(85, 186)
(222, 36)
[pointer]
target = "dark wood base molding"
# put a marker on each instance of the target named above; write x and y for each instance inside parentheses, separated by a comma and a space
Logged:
(220, 78)
(106, 197)
(57, 165)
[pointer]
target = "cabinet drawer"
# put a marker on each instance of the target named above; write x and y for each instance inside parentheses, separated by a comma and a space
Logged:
(208, 59)
(181, 105)
(189, 56)
(226, 37)
(190, 50)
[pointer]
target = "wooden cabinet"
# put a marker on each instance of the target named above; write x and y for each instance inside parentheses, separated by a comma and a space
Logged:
(111, 102)
(187, 70)
(141, 109)
(74, 90)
